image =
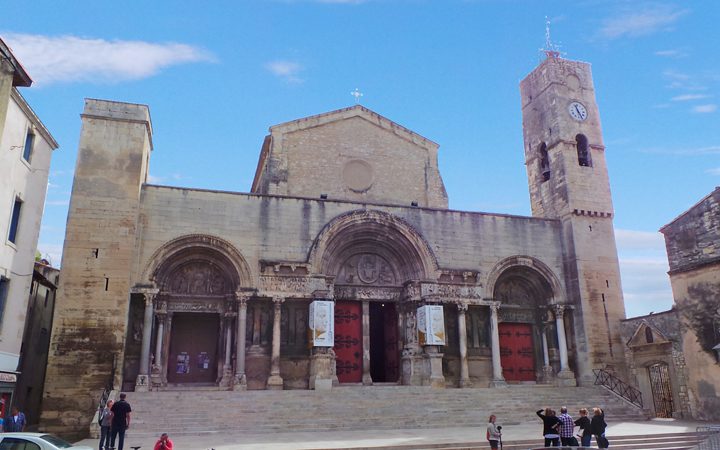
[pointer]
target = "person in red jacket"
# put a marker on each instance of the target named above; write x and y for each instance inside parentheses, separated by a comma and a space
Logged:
(164, 443)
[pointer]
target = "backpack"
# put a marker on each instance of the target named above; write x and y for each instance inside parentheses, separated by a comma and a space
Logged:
(101, 416)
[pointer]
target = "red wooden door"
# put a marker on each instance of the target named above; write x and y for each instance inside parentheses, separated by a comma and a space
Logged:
(516, 351)
(390, 324)
(348, 341)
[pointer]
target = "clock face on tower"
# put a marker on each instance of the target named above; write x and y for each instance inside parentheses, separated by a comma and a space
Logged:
(577, 111)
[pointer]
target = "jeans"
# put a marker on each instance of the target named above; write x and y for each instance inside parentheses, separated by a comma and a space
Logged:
(585, 441)
(104, 437)
(554, 441)
(118, 430)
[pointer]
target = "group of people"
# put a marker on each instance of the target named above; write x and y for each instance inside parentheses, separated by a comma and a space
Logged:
(114, 420)
(561, 429)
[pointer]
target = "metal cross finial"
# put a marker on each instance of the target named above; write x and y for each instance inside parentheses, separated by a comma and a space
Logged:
(551, 50)
(357, 94)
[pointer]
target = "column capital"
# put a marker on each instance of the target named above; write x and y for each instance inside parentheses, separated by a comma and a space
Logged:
(494, 308)
(462, 308)
(278, 301)
(559, 311)
(242, 297)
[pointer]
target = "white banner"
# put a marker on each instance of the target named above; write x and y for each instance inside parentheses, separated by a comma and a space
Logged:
(431, 325)
(322, 323)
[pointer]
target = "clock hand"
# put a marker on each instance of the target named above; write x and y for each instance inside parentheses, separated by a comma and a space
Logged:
(578, 111)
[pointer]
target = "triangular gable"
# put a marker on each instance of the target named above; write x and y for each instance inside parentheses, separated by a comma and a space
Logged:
(353, 111)
(640, 336)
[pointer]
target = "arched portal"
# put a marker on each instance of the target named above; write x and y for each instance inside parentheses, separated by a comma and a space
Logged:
(529, 340)
(196, 278)
(371, 255)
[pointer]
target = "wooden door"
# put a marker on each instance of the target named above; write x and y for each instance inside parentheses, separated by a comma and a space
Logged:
(516, 351)
(348, 341)
(193, 348)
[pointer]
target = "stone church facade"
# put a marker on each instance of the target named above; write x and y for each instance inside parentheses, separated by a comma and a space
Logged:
(166, 286)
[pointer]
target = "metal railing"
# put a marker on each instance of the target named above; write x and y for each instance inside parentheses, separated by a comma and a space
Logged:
(618, 386)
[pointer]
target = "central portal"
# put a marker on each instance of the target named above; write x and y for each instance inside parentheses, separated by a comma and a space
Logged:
(384, 350)
(193, 348)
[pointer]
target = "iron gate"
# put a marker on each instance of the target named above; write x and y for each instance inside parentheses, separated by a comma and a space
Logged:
(661, 389)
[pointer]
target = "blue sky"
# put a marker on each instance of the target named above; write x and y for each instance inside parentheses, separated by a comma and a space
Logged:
(217, 74)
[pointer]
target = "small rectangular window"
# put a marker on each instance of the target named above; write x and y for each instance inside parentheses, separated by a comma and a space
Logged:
(4, 288)
(15, 220)
(29, 140)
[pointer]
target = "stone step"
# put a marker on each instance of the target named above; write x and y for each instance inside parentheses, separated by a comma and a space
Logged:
(358, 407)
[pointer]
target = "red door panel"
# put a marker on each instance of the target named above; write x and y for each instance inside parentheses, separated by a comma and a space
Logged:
(348, 341)
(516, 351)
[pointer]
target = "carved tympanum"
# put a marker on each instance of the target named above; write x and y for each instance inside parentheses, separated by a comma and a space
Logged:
(198, 278)
(366, 268)
(515, 293)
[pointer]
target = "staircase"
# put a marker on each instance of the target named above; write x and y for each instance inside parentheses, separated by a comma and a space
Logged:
(361, 408)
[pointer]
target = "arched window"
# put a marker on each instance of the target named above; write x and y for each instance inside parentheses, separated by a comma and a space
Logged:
(544, 162)
(649, 338)
(583, 151)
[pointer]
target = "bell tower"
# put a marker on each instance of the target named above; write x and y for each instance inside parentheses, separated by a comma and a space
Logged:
(568, 180)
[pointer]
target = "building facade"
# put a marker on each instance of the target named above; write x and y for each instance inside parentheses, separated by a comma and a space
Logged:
(693, 248)
(347, 219)
(36, 341)
(26, 148)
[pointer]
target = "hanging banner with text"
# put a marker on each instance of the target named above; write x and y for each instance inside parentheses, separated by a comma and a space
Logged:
(431, 325)
(322, 323)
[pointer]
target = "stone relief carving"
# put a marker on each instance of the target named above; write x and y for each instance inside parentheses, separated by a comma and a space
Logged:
(293, 285)
(198, 278)
(366, 268)
(513, 292)
(450, 291)
(367, 293)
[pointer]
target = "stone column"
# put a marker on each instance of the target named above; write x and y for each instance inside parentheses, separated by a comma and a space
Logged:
(142, 383)
(166, 348)
(547, 368)
(240, 380)
(498, 378)
(366, 377)
(462, 332)
(227, 376)
(156, 368)
(412, 359)
(275, 381)
(565, 377)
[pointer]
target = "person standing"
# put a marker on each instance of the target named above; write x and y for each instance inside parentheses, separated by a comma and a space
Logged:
(598, 426)
(584, 423)
(567, 427)
(551, 424)
(164, 443)
(120, 421)
(16, 422)
(493, 433)
(105, 423)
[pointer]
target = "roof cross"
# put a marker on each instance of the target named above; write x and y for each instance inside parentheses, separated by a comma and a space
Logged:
(551, 50)
(357, 94)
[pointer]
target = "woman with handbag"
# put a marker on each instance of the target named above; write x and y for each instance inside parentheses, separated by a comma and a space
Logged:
(598, 426)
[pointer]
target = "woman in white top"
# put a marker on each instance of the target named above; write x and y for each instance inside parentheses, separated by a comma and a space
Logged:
(493, 433)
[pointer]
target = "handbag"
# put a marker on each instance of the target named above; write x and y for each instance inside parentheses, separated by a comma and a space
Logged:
(603, 442)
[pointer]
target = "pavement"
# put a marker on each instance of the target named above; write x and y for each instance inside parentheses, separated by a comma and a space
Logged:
(368, 439)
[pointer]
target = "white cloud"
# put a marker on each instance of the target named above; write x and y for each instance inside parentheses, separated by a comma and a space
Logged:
(70, 59)
(699, 151)
(703, 109)
(671, 53)
(641, 23)
(687, 97)
(639, 240)
(715, 171)
(57, 203)
(643, 268)
(287, 70)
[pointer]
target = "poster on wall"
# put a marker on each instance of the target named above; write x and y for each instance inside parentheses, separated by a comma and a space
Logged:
(322, 323)
(431, 325)
(203, 361)
(183, 363)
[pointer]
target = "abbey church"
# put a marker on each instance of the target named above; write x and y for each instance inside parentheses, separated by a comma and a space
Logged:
(342, 265)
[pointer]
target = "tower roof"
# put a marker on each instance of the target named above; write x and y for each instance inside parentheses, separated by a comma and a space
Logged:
(20, 76)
